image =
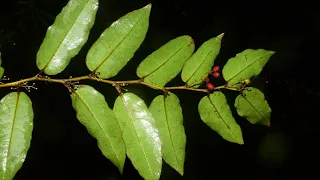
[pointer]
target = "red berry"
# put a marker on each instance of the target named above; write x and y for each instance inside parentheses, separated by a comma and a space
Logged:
(210, 86)
(216, 68)
(216, 74)
(207, 80)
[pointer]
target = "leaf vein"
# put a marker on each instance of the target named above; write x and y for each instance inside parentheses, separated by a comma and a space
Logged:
(247, 66)
(168, 127)
(253, 106)
(221, 116)
(64, 38)
(166, 60)
(12, 127)
(86, 105)
(113, 50)
(202, 62)
(131, 118)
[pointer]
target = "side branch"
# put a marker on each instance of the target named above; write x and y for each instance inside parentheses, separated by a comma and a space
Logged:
(19, 83)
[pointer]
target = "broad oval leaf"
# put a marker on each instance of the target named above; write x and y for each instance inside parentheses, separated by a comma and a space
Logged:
(245, 65)
(1, 68)
(66, 36)
(94, 113)
(252, 105)
(167, 113)
(165, 63)
(197, 68)
(118, 43)
(216, 113)
(16, 124)
(140, 135)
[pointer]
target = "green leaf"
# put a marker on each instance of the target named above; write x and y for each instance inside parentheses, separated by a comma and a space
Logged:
(118, 43)
(140, 135)
(216, 113)
(168, 116)
(245, 65)
(1, 68)
(94, 113)
(66, 36)
(252, 105)
(165, 63)
(16, 124)
(197, 68)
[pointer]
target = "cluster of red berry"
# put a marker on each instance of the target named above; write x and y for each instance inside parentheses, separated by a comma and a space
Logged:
(215, 73)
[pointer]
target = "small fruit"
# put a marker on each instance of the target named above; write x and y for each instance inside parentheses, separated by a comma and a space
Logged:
(247, 81)
(216, 68)
(210, 86)
(216, 74)
(207, 80)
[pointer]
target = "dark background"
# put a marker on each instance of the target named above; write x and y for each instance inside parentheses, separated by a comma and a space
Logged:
(61, 148)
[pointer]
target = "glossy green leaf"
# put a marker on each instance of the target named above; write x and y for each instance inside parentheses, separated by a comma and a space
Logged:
(66, 36)
(139, 132)
(216, 113)
(1, 68)
(165, 63)
(118, 43)
(245, 65)
(197, 68)
(252, 105)
(167, 113)
(16, 124)
(94, 113)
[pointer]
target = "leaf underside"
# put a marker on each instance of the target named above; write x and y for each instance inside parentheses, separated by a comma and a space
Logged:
(139, 132)
(118, 43)
(66, 36)
(252, 105)
(197, 68)
(167, 113)
(94, 113)
(16, 125)
(245, 65)
(165, 63)
(216, 113)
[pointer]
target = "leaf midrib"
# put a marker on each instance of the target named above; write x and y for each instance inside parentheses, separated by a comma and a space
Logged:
(253, 107)
(216, 110)
(64, 38)
(202, 62)
(131, 121)
(86, 105)
(113, 50)
(248, 66)
(167, 59)
(168, 127)
(12, 128)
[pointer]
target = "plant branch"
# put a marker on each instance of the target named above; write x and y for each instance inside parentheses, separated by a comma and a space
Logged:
(38, 77)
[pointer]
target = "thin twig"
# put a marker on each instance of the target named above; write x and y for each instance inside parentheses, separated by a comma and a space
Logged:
(114, 83)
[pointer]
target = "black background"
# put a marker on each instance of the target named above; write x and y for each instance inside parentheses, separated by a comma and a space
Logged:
(61, 148)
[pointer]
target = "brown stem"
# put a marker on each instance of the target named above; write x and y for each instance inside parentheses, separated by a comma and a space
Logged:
(114, 83)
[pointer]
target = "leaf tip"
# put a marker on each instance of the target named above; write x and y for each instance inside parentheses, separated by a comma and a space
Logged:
(192, 41)
(189, 37)
(220, 36)
(120, 170)
(241, 142)
(148, 6)
(181, 172)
